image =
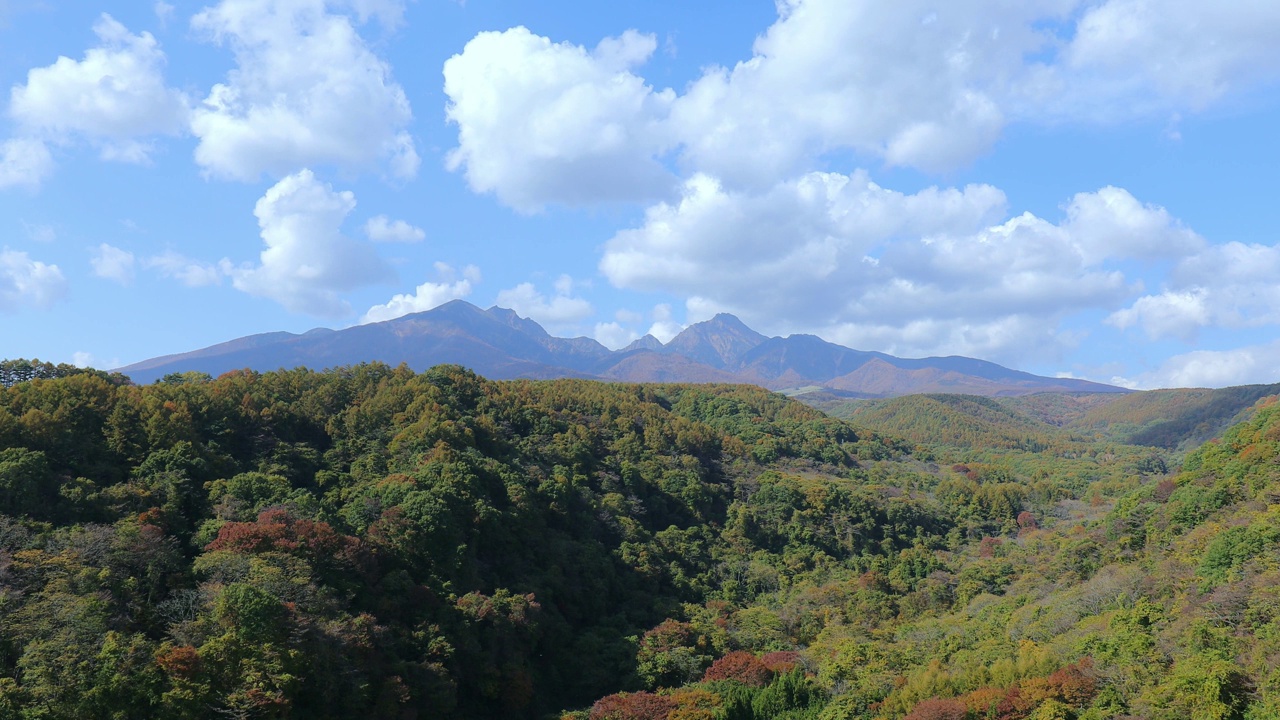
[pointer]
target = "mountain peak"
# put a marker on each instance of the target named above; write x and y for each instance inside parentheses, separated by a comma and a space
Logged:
(648, 342)
(499, 344)
(719, 342)
(512, 319)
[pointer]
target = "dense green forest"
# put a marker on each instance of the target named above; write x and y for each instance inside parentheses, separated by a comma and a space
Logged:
(374, 542)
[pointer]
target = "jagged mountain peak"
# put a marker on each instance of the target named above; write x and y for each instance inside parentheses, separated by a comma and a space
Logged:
(513, 319)
(720, 342)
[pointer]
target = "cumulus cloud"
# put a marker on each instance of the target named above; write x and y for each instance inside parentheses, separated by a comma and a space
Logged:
(1148, 57)
(562, 309)
(1009, 336)
(112, 263)
(1169, 314)
(664, 326)
(1229, 285)
(447, 286)
(900, 81)
(540, 122)
(613, 335)
(307, 90)
(1112, 223)
(382, 229)
(308, 261)
(116, 96)
(938, 271)
(28, 283)
(24, 162)
(906, 83)
(189, 272)
(1256, 364)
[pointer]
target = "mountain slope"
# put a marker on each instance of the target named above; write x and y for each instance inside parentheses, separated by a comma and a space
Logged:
(1175, 418)
(719, 342)
(964, 421)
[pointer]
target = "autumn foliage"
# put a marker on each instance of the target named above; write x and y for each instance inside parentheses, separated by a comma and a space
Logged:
(741, 666)
(633, 706)
(939, 709)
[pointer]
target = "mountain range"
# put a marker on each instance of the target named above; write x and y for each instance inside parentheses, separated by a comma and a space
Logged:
(499, 344)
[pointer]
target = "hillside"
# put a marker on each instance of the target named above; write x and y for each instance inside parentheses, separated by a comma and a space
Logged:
(1162, 606)
(499, 344)
(962, 421)
(374, 542)
(1173, 418)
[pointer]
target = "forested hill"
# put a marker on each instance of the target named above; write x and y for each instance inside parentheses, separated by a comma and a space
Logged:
(967, 421)
(371, 542)
(1175, 420)
(375, 543)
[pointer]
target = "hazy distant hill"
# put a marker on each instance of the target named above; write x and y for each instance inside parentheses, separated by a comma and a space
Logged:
(1174, 418)
(954, 420)
(499, 344)
(1169, 419)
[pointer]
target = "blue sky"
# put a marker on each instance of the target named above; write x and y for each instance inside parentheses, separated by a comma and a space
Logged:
(1067, 187)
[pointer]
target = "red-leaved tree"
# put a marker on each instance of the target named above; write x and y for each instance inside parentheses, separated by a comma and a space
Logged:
(742, 666)
(633, 706)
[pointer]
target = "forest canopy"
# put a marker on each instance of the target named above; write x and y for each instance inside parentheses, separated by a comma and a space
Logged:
(374, 542)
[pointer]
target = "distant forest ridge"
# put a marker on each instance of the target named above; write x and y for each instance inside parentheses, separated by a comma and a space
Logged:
(1167, 419)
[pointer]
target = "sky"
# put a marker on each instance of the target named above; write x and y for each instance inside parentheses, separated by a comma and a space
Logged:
(1069, 187)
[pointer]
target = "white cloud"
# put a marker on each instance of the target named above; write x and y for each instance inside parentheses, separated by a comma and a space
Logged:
(1013, 335)
(308, 260)
(561, 310)
(1230, 285)
(1111, 223)
(939, 271)
(382, 229)
(1148, 56)
(112, 263)
(116, 96)
(428, 295)
(664, 327)
(307, 90)
(869, 76)
(907, 83)
(28, 283)
(614, 336)
(540, 122)
(1177, 314)
(192, 273)
(24, 162)
(82, 359)
(1257, 364)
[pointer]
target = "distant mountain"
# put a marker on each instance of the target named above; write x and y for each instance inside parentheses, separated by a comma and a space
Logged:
(499, 344)
(720, 342)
